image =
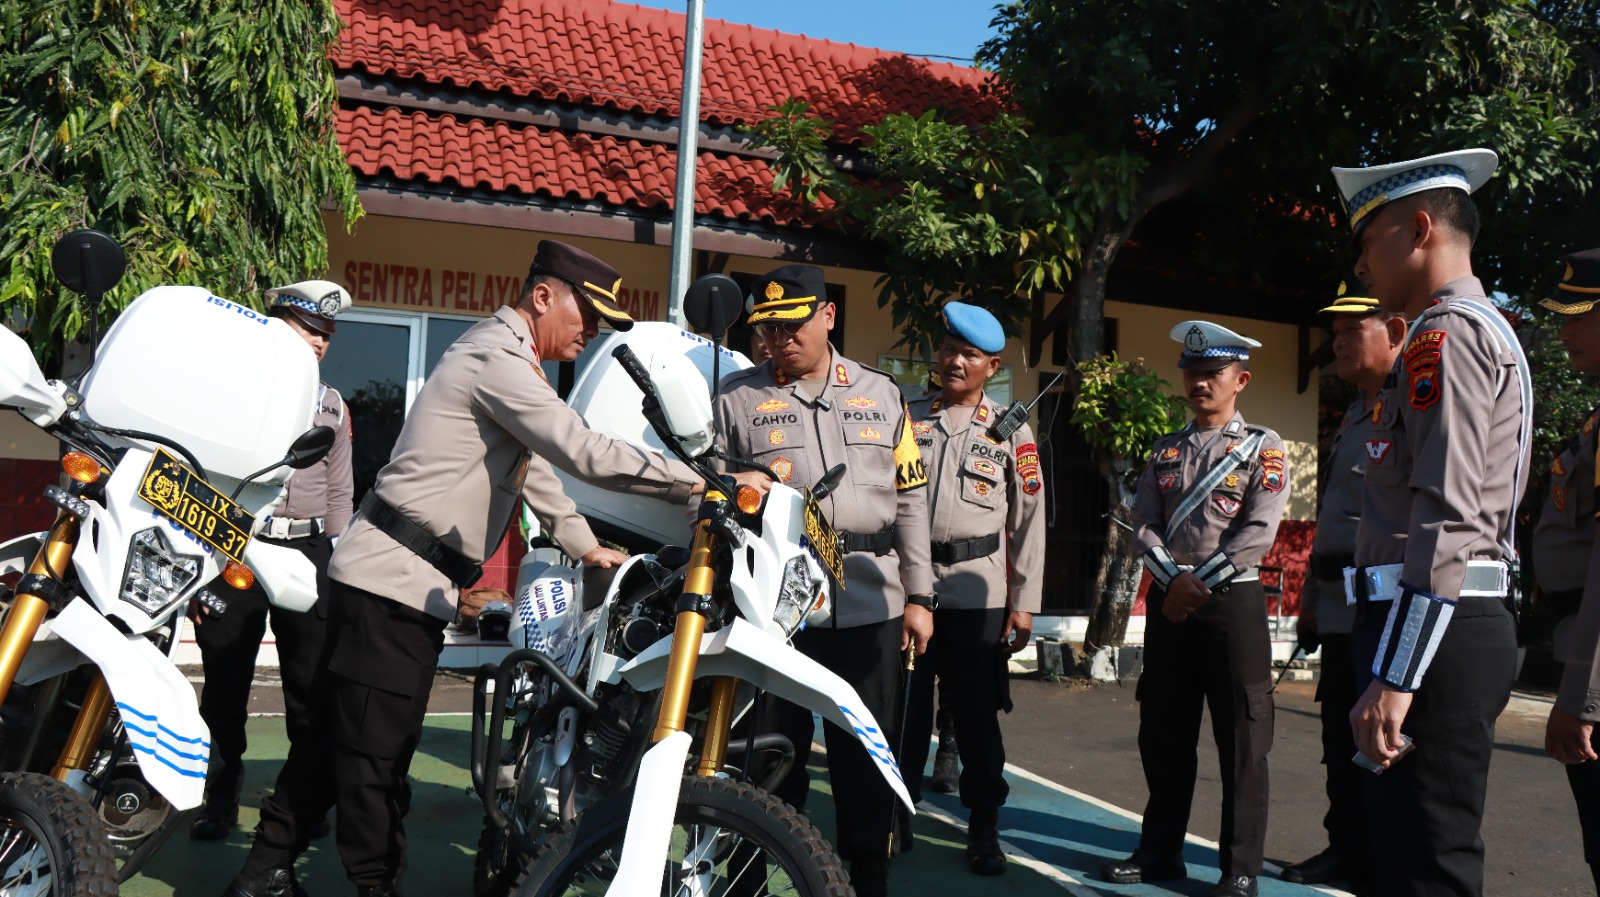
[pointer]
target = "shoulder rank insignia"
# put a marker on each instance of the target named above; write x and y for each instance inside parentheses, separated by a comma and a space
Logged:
(982, 414)
(784, 468)
(1228, 505)
(861, 402)
(1230, 448)
(1589, 425)
(1557, 468)
(840, 375)
(1377, 411)
(1378, 449)
(772, 405)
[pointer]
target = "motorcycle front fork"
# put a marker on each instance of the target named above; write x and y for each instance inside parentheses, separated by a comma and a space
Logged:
(22, 621)
(690, 626)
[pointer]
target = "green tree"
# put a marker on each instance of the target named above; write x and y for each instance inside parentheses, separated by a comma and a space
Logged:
(1122, 409)
(198, 133)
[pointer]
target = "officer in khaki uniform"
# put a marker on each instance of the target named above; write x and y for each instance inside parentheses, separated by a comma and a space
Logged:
(987, 510)
(316, 506)
(1206, 512)
(484, 432)
(1563, 556)
(800, 413)
(1366, 340)
(1447, 461)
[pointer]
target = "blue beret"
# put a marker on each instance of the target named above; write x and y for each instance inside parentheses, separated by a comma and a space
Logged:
(975, 325)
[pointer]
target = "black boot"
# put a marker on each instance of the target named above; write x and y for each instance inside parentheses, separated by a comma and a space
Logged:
(214, 821)
(387, 889)
(869, 875)
(946, 765)
(984, 856)
(267, 872)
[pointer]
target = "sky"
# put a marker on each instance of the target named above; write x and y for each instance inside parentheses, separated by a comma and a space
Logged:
(935, 28)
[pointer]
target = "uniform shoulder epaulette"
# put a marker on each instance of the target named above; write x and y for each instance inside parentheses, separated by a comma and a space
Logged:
(884, 374)
(733, 377)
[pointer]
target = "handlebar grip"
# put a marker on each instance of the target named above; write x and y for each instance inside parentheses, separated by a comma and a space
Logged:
(630, 363)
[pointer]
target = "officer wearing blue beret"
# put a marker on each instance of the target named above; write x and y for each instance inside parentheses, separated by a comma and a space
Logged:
(986, 509)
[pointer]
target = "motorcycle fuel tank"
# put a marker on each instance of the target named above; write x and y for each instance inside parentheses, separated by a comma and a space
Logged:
(232, 385)
(609, 401)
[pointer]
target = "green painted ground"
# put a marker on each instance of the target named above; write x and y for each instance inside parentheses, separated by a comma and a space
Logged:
(445, 820)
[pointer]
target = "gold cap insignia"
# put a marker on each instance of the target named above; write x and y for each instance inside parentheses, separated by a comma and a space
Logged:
(774, 290)
(1342, 289)
(1567, 276)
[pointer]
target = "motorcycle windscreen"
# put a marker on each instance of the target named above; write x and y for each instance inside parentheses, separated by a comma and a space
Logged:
(157, 704)
(743, 651)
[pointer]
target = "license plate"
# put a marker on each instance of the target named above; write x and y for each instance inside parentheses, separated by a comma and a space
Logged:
(181, 496)
(823, 540)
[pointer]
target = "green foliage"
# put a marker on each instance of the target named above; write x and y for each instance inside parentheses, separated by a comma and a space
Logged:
(1122, 408)
(1562, 397)
(197, 133)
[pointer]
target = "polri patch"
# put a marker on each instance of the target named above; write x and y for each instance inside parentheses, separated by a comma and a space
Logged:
(1378, 449)
(861, 402)
(1229, 506)
(1426, 387)
(1272, 478)
(772, 405)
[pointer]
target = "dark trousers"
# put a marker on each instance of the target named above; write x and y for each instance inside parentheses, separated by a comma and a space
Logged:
(1585, 781)
(381, 661)
(867, 657)
(1425, 812)
(1345, 819)
(1219, 657)
(228, 645)
(967, 659)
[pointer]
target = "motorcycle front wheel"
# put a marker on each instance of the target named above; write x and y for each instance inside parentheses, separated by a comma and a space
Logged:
(729, 838)
(51, 841)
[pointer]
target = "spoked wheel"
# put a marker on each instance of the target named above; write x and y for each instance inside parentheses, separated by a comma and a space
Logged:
(729, 840)
(52, 841)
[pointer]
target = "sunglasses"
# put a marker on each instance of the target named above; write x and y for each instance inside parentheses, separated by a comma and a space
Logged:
(774, 329)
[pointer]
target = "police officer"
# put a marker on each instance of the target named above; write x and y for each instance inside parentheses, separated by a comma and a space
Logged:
(799, 413)
(1563, 546)
(1207, 510)
(986, 508)
(316, 506)
(1446, 464)
(484, 431)
(1366, 340)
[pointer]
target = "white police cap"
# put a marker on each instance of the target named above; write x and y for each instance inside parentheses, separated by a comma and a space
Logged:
(1208, 346)
(1366, 190)
(317, 302)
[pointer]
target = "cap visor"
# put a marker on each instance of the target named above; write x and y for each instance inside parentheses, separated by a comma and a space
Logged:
(616, 317)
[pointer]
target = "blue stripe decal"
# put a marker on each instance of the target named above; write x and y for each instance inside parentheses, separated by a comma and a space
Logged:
(203, 758)
(128, 708)
(178, 769)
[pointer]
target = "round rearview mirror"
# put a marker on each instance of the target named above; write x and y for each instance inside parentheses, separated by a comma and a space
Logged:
(712, 303)
(88, 262)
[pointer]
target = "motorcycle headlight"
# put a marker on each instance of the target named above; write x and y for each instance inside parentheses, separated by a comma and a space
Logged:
(797, 594)
(156, 576)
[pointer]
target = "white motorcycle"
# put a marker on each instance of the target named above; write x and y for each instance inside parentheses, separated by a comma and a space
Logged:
(620, 774)
(176, 441)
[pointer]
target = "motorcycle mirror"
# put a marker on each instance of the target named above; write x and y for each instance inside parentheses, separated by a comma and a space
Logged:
(312, 446)
(712, 303)
(828, 483)
(88, 262)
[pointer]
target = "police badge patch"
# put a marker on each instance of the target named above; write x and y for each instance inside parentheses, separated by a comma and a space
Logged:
(1228, 506)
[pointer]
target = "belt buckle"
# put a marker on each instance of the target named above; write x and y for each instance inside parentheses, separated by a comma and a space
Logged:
(1382, 584)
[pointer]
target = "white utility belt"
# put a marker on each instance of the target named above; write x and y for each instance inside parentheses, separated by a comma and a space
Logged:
(1484, 579)
(291, 528)
(1250, 575)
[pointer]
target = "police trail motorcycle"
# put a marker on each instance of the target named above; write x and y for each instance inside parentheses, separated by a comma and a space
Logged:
(175, 446)
(594, 790)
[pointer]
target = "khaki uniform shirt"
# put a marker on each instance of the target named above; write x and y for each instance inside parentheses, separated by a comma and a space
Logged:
(324, 489)
(484, 431)
(1234, 526)
(1579, 639)
(860, 420)
(1338, 514)
(982, 486)
(1564, 536)
(1443, 466)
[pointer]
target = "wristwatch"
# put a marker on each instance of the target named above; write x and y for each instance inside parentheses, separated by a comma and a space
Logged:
(929, 601)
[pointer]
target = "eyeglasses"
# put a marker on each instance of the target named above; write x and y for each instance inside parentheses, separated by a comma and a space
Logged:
(772, 330)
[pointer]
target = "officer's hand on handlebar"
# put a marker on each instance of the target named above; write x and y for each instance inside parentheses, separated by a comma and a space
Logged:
(603, 557)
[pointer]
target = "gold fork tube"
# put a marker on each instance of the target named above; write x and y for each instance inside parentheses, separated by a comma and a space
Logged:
(719, 720)
(86, 729)
(27, 612)
(686, 638)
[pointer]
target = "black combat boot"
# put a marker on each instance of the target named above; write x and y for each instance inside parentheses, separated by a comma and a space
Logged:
(946, 765)
(984, 856)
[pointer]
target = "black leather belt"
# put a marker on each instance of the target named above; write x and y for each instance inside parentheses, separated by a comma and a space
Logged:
(954, 552)
(1331, 566)
(879, 543)
(461, 570)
